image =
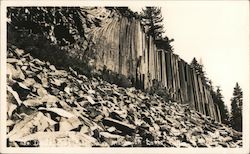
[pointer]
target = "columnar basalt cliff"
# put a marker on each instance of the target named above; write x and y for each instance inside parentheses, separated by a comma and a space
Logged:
(111, 40)
(122, 46)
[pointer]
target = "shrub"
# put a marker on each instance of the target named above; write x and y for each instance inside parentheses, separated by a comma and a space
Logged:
(115, 78)
(160, 90)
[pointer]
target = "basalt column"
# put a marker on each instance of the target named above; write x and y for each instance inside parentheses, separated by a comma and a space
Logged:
(163, 69)
(183, 83)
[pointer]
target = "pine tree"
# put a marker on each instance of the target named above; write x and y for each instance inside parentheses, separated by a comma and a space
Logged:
(197, 66)
(218, 99)
(164, 43)
(236, 104)
(199, 70)
(152, 18)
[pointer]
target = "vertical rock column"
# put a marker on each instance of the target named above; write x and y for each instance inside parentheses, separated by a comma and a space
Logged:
(146, 61)
(190, 88)
(160, 65)
(178, 85)
(218, 112)
(174, 79)
(122, 43)
(201, 95)
(173, 76)
(133, 51)
(163, 69)
(183, 80)
(115, 47)
(169, 72)
(207, 109)
(151, 58)
(195, 90)
(139, 47)
(157, 63)
(166, 70)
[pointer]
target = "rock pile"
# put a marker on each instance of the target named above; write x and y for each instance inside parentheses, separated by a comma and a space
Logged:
(49, 107)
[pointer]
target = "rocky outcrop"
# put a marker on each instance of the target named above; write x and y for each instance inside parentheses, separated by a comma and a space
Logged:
(107, 39)
(51, 107)
(122, 46)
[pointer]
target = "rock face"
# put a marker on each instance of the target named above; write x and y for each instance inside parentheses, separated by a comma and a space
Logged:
(119, 44)
(50, 107)
(122, 46)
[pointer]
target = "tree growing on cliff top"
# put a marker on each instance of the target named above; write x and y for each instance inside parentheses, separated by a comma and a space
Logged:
(236, 112)
(199, 70)
(152, 19)
(164, 43)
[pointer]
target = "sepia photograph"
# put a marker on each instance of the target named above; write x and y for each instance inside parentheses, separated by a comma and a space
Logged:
(125, 77)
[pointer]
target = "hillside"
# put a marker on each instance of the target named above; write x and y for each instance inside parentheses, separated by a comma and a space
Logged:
(49, 106)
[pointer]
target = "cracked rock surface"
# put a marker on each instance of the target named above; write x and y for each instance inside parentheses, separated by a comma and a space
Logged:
(50, 107)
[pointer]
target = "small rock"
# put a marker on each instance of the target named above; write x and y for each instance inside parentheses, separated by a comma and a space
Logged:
(111, 129)
(41, 91)
(13, 95)
(19, 52)
(125, 128)
(15, 72)
(29, 82)
(67, 124)
(52, 68)
(90, 99)
(67, 90)
(60, 112)
(128, 144)
(223, 144)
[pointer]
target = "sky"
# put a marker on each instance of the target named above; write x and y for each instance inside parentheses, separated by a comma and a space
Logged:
(215, 32)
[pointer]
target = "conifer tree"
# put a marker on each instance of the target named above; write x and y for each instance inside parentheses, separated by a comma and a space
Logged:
(199, 70)
(152, 18)
(236, 111)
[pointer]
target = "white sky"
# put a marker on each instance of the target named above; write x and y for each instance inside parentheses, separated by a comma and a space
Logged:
(216, 32)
